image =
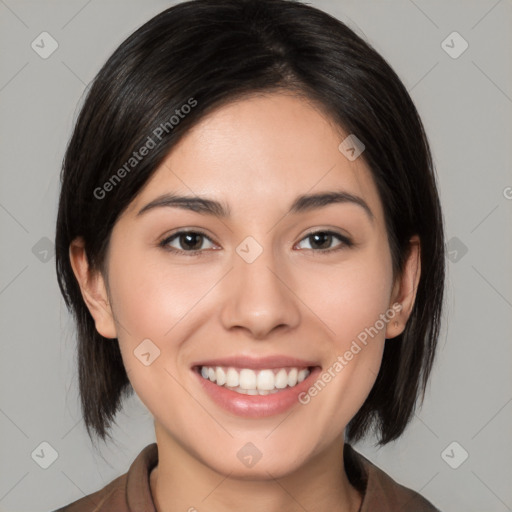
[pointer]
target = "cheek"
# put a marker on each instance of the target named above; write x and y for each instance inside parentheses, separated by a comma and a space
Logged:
(151, 297)
(350, 297)
(352, 300)
(151, 301)
(157, 301)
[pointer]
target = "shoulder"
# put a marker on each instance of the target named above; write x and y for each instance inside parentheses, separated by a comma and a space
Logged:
(130, 491)
(111, 497)
(380, 492)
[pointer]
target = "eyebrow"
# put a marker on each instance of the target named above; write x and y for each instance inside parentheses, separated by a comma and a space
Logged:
(301, 204)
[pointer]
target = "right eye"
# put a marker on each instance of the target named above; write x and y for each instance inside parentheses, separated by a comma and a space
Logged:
(191, 241)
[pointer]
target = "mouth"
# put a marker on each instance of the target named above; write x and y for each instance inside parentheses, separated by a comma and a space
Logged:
(255, 389)
(249, 381)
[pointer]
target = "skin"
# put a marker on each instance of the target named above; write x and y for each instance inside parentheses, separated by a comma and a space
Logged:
(255, 155)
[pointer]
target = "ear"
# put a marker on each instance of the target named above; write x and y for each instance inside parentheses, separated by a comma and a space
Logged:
(93, 289)
(404, 290)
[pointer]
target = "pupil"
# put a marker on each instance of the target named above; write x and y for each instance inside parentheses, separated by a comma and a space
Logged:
(189, 236)
(324, 236)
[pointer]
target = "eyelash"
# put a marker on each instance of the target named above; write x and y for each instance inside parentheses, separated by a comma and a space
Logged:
(345, 242)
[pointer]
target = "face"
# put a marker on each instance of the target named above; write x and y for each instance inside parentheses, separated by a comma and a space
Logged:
(189, 287)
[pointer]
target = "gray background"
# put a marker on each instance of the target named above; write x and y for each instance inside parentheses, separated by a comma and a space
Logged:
(466, 106)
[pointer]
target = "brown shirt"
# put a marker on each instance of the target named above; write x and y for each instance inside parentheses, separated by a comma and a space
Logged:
(131, 492)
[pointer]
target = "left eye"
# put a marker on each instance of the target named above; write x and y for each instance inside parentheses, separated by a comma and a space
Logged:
(325, 238)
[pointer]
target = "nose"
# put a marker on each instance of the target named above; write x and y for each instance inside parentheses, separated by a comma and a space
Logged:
(259, 296)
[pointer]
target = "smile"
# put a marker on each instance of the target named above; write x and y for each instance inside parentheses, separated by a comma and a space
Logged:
(255, 382)
(255, 392)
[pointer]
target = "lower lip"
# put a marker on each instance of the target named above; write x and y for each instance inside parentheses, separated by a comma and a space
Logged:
(256, 406)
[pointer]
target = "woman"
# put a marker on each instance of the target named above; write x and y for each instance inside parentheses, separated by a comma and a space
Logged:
(250, 238)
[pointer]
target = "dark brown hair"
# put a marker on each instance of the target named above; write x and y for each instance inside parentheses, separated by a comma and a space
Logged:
(215, 51)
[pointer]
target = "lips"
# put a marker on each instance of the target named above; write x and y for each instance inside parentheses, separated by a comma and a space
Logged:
(260, 405)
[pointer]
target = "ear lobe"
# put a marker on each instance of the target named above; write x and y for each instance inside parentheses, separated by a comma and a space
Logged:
(405, 289)
(93, 289)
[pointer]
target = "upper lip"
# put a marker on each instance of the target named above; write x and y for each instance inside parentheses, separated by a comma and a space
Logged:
(257, 363)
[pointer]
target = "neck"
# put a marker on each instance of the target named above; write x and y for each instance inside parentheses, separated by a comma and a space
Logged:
(182, 482)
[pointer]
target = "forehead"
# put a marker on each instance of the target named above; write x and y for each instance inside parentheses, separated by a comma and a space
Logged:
(261, 151)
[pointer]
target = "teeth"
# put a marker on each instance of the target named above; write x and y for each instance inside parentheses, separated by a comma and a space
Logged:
(220, 376)
(265, 380)
(281, 380)
(231, 378)
(247, 379)
(302, 375)
(292, 377)
(249, 382)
